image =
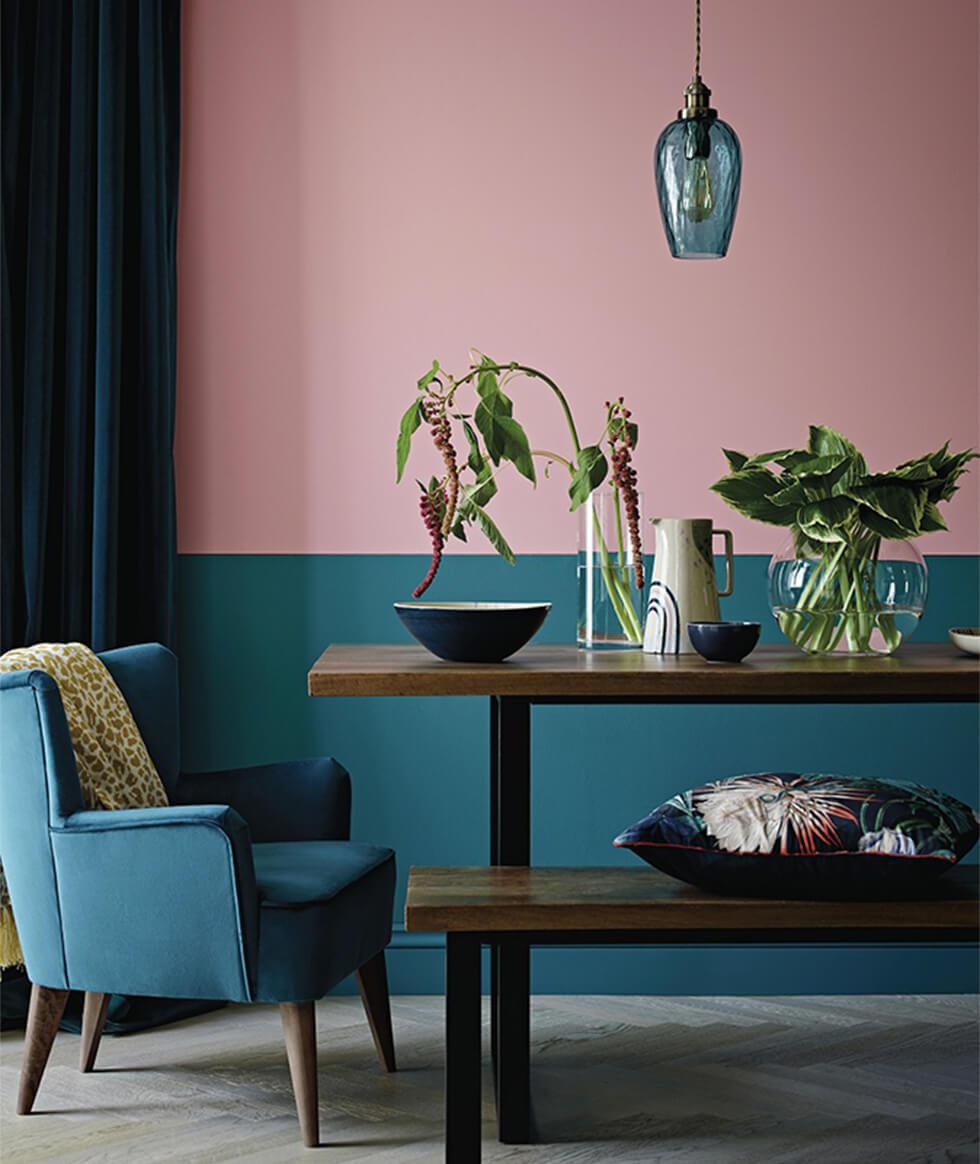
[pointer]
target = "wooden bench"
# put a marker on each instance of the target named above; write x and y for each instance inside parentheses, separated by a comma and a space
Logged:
(613, 906)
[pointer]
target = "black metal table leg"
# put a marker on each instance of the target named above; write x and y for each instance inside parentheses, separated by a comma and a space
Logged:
(494, 860)
(510, 844)
(462, 1049)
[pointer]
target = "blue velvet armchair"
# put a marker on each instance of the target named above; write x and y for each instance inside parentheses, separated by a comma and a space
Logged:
(246, 888)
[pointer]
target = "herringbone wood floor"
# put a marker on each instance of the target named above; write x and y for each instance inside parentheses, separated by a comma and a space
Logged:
(850, 1080)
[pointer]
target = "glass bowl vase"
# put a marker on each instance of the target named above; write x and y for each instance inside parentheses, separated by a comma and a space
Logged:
(860, 597)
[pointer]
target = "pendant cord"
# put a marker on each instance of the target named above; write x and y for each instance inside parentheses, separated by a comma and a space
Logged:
(697, 55)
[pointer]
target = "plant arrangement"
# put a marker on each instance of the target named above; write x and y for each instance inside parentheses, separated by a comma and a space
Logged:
(473, 428)
(840, 513)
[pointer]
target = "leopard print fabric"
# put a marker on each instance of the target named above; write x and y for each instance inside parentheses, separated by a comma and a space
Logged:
(114, 767)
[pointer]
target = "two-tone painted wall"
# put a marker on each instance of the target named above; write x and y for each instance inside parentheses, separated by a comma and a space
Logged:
(367, 185)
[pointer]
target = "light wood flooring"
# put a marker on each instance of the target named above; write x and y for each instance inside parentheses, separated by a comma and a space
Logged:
(852, 1080)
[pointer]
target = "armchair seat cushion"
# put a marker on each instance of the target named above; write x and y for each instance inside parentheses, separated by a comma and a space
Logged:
(324, 910)
(290, 874)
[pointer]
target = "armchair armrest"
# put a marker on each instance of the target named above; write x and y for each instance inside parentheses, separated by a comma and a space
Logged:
(158, 901)
(300, 800)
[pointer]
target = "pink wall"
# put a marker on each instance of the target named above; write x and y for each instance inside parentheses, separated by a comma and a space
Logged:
(368, 184)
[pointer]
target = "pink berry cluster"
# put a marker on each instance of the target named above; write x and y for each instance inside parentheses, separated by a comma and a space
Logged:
(624, 478)
(435, 414)
(438, 509)
(432, 520)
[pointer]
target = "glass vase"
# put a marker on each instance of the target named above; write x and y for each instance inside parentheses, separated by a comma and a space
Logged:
(860, 597)
(610, 603)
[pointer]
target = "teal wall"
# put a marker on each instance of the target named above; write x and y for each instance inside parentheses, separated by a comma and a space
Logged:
(250, 625)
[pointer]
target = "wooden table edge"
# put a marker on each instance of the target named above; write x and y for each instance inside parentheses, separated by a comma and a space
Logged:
(931, 672)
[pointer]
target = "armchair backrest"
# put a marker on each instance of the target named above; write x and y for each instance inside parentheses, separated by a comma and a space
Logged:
(39, 784)
(147, 677)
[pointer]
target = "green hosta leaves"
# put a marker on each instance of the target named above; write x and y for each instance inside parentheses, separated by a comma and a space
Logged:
(409, 425)
(824, 521)
(901, 507)
(932, 520)
(827, 495)
(752, 490)
(589, 474)
(827, 442)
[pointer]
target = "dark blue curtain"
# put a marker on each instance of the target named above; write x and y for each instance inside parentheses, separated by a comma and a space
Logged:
(90, 164)
(91, 120)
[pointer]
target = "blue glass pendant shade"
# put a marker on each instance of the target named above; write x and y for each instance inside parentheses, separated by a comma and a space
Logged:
(698, 167)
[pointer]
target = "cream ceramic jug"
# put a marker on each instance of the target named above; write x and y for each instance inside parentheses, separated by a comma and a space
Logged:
(683, 588)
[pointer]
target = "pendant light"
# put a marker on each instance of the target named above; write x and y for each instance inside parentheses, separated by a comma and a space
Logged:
(698, 167)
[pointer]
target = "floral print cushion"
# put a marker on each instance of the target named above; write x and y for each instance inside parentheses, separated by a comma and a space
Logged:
(779, 834)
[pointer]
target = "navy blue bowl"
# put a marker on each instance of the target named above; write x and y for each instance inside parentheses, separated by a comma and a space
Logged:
(723, 642)
(472, 632)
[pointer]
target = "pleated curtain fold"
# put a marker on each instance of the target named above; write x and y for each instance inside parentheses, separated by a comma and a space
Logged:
(90, 174)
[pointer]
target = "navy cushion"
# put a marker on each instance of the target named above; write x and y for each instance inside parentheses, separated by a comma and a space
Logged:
(325, 910)
(781, 834)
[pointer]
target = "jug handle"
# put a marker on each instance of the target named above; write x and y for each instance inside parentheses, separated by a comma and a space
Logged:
(729, 562)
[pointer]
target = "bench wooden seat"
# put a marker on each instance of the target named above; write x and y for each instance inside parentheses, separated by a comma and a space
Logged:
(537, 906)
(491, 899)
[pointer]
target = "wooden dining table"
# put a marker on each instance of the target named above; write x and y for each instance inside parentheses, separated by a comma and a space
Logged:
(560, 674)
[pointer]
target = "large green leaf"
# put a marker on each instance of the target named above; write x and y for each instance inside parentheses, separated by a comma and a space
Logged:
(901, 505)
(504, 437)
(429, 376)
(881, 525)
(826, 520)
(476, 459)
(828, 442)
(517, 449)
(493, 406)
(483, 488)
(735, 459)
(948, 467)
(414, 415)
(489, 390)
(474, 512)
(589, 474)
(932, 520)
(766, 458)
(750, 491)
(793, 494)
(492, 432)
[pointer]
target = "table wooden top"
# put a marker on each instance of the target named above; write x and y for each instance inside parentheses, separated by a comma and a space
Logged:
(486, 899)
(926, 671)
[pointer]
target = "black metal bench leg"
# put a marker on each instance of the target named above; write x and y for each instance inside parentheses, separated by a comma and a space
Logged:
(513, 1043)
(463, 1026)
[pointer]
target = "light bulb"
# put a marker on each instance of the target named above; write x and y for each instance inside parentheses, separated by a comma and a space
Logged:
(697, 197)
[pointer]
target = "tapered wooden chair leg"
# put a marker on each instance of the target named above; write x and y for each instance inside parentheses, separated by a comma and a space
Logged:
(299, 1026)
(372, 981)
(93, 1020)
(43, 1016)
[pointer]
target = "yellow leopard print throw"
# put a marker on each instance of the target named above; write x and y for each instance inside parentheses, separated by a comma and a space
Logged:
(113, 764)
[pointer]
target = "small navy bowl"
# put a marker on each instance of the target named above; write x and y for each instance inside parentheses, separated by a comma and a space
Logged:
(723, 642)
(473, 632)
